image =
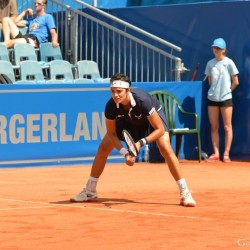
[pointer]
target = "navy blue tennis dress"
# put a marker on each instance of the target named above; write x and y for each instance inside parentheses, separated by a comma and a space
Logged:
(135, 120)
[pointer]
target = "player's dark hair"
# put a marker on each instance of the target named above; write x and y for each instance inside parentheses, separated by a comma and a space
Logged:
(120, 76)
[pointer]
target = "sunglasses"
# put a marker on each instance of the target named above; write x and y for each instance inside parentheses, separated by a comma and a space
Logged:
(40, 4)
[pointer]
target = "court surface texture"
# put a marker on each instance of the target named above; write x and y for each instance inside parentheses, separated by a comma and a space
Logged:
(138, 208)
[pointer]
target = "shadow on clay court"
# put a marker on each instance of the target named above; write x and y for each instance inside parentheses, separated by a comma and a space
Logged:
(113, 201)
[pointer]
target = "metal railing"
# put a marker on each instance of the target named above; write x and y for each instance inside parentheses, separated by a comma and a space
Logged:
(88, 33)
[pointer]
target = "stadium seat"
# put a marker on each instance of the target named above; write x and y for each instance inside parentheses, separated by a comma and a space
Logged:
(49, 53)
(1, 35)
(23, 30)
(171, 107)
(83, 80)
(24, 82)
(7, 69)
(24, 51)
(31, 71)
(4, 53)
(60, 70)
(106, 80)
(88, 69)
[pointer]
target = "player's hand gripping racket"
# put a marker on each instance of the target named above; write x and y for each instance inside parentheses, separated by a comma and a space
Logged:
(130, 143)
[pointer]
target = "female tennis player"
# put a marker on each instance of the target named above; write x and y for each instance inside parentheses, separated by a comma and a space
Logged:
(142, 116)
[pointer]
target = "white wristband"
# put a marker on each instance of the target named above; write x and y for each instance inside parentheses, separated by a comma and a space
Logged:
(123, 151)
(143, 142)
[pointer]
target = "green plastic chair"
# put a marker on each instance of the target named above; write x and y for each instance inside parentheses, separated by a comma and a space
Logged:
(171, 106)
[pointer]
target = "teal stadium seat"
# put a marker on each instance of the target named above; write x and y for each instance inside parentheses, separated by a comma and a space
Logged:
(60, 71)
(24, 51)
(49, 53)
(7, 69)
(31, 71)
(83, 80)
(4, 53)
(88, 69)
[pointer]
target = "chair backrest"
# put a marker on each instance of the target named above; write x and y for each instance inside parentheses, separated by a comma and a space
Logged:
(88, 69)
(1, 35)
(49, 53)
(106, 80)
(83, 80)
(24, 51)
(7, 69)
(61, 70)
(24, 82)
(56, 81)
(23, 30)
(169, 103)
(31, 70)
(4, 53)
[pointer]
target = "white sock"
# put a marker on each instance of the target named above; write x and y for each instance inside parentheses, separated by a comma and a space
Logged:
(182, 185)
(91, 184)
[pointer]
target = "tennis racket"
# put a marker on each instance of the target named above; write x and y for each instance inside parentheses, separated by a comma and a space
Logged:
(130, 143)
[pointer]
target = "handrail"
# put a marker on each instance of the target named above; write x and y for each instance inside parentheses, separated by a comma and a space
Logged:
(133, 27)
(138, 57)
(127, 35)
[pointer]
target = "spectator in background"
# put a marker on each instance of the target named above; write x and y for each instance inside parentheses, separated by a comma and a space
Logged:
(8, 8)
(222, 76)
(39, 27)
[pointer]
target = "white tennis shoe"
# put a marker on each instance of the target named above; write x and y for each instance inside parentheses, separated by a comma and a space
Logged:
(187, 199)
(84, 195)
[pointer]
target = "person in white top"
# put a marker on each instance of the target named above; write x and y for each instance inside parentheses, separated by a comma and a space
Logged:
(222, 77)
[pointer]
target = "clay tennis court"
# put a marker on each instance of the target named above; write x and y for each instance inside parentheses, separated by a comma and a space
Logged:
(137, 208)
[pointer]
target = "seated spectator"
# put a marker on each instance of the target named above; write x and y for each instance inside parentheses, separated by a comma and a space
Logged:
(8, 8)
(38, 27)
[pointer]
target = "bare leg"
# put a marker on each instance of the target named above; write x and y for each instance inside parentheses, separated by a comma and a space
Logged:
(226, 113)
(11, 43)
(89, 192)
(169, 156)
(213, 114)
(167, 152)
(10, 30)
(103, 152)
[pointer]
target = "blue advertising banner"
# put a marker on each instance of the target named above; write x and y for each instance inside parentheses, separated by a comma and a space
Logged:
(63, 123)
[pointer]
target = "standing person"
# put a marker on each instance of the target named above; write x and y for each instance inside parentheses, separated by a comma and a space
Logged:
(222, 77)
(8, 8)
(39, 27)
(143, 117)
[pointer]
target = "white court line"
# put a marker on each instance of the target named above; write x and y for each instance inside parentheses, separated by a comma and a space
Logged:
(24, 208)
(49, 205)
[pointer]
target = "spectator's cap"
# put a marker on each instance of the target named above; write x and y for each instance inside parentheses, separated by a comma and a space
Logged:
(220, 43)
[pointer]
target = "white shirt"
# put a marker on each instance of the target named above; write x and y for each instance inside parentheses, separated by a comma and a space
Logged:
(220, 72)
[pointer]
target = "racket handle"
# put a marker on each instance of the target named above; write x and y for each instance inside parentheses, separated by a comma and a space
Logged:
(146, 153)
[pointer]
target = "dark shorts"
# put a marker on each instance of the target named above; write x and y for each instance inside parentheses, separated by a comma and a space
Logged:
(138, 132)
(27, 37)
(227, 103)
